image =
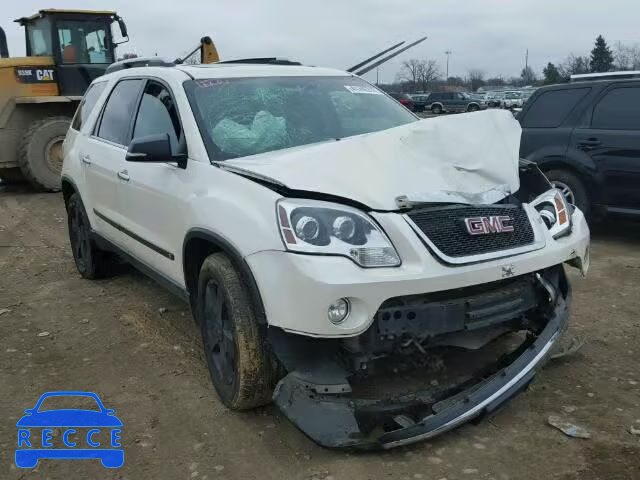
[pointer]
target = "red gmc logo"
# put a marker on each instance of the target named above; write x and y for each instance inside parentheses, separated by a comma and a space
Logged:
(486, 225)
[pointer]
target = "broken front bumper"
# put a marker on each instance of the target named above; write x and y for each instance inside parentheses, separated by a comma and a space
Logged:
(337, 421)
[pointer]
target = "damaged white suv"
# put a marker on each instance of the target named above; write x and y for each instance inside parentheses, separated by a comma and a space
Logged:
(381, 278)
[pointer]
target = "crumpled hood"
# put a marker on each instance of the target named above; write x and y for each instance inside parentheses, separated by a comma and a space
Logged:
(468, 158)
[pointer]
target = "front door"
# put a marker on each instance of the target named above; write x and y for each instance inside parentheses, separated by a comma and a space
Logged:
(612, 140)
(155, 194)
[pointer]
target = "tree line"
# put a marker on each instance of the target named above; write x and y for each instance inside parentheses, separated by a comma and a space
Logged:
(417, 75)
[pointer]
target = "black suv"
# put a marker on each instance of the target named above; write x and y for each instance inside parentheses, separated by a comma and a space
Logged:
(585, 136)
(453, 102)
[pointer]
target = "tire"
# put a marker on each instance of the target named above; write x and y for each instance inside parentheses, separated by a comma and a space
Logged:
(91, 261)
(436, 109)
(576, 193)
(473, 108)
(11, 176)
(242, 369)
(40, 152)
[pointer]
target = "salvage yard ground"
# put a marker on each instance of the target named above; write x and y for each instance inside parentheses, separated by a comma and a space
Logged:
(136, 346)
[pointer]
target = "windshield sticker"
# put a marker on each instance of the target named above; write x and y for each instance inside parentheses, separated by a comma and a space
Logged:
(210, 82)
(363, 89)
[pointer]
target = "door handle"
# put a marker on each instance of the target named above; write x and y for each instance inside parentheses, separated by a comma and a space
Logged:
(123, 175)
(589, 143)
(86, 159)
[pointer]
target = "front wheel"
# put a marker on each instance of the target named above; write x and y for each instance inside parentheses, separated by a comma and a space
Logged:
(241, 367)
(571, 188)
(437, 109)
(40, 154)
(473, 108)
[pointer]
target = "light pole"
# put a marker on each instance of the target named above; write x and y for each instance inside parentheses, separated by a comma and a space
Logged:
(447, 53)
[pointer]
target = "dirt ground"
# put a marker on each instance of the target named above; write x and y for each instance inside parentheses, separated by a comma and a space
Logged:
(115, 338)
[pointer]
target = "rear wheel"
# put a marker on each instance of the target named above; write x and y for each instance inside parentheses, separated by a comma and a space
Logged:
(571, 187)
(242, 370)
(437, 109)
(473, 108)
(11, 175)
(40, 154)
(91, 261)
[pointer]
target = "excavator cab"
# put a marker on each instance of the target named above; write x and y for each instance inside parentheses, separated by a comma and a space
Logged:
(80, 42)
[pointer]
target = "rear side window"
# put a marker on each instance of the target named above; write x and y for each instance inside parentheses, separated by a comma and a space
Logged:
(87, 104)
(619, 109)
(551, 108)
(119, 111)
(158, 114)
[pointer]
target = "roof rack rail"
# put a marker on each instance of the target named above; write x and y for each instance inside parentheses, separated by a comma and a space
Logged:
(138, 62)
(586, 77)
(263, 60)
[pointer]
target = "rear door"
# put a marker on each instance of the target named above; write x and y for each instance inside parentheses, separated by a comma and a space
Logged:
(612, 140)
(546, 123)
(103, 157)
(459, 102)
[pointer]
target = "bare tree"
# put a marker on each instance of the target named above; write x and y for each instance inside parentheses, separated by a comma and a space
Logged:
(627, 57)
(528, 76)
(574, 65)
(410, 71)
(475, 78)
(428, 71)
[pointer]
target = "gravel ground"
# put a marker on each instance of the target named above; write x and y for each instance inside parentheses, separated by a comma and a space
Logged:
(136, 346)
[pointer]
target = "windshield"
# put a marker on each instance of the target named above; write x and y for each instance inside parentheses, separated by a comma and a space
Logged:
(246, 116)
(512, 95)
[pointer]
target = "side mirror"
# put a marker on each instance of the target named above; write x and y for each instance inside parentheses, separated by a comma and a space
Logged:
(29, 411)
(154, 149)
(123, 30)
(109, 411)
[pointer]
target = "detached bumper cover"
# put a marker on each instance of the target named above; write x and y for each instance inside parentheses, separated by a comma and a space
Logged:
(337, 421)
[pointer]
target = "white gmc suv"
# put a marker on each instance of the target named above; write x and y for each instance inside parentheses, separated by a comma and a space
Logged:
(325, 237)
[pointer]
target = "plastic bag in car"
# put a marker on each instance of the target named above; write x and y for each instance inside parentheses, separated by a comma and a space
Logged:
(265, 133)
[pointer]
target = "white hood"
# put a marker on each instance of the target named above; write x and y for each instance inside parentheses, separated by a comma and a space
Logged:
(468, 158)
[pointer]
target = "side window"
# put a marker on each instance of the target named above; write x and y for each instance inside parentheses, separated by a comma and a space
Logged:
(120, 108)
(618, 110)
(158, 114)
(87, 104)
(551, 108)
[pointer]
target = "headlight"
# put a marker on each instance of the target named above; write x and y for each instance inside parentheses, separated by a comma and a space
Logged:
(323, 228)
(555, 212)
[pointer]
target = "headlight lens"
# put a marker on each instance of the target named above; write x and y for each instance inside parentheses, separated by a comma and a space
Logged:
(311, 226)
(555, 212)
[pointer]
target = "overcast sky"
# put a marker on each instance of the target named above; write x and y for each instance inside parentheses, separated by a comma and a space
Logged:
(492, 35)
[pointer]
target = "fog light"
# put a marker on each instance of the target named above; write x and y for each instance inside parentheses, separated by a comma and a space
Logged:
(338, 311)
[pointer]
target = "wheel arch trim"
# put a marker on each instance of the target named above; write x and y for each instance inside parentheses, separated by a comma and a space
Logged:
(237, 260)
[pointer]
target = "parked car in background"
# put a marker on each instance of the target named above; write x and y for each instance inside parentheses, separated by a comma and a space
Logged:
(452, 102)
(419, 101)
(512, 100)
(494, 99)
(585, 136)
(404, 99)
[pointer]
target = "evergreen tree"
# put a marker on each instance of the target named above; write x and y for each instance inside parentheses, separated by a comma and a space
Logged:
(551, 74)
(601, 56)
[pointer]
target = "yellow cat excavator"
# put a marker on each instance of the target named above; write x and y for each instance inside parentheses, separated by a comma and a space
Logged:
(39, 93)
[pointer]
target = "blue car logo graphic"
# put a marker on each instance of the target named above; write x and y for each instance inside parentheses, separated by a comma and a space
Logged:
(84, 433)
